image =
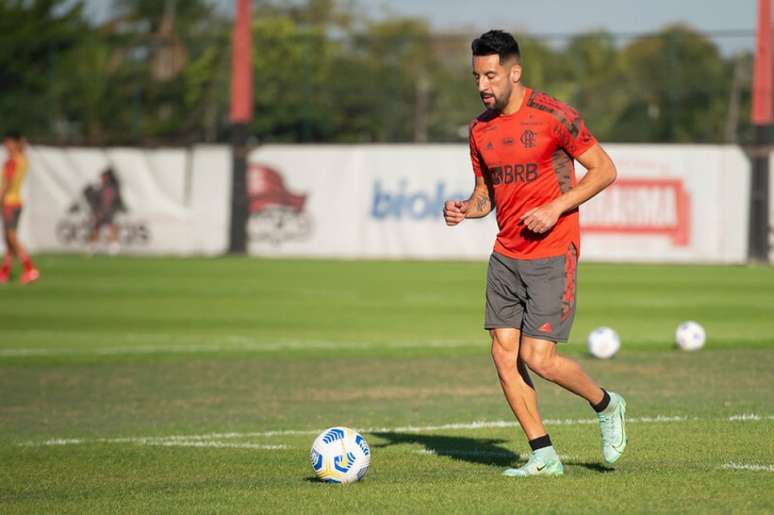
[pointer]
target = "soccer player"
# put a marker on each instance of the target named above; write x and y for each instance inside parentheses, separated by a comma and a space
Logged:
(523, 148)
(14, 171)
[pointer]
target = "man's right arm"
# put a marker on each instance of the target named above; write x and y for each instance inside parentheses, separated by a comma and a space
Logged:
(8, 172)
(478, 205)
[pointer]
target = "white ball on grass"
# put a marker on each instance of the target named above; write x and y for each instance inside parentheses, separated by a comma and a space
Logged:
(340, 455)
(690, 336)
(603, 343)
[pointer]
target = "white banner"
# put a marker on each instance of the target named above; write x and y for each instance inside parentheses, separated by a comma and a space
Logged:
(175, 201)
(675, 203)
(361, 201)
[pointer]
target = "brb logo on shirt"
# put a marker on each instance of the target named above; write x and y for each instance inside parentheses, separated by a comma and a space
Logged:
(507, 174)
(401, 202)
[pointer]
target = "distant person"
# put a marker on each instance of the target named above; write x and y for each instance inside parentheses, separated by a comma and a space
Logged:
(14, 171)
(106, 202)
(522, 149)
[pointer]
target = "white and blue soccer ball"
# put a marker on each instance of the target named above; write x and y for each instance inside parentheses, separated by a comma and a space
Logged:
(340, 455)
(603, 343)
(690, 336)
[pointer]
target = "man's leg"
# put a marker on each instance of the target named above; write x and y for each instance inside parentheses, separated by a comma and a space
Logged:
(8, 257)
(505, 297)
(515, 381)
(520, 394)
(30, 273)
(543, 359)
(548, 318)
(5, 268)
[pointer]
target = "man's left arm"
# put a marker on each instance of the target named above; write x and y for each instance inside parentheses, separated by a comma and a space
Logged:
(600, 174)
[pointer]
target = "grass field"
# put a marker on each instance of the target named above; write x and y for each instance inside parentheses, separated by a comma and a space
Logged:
(198, 385)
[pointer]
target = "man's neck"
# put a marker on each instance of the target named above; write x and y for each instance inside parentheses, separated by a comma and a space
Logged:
(514, 103)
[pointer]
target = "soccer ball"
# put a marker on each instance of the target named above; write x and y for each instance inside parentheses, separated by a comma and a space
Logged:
(340, 455)
(603, 343)
(690, 336)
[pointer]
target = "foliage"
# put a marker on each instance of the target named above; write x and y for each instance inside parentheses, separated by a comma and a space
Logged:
(158, 73)
(32, 35)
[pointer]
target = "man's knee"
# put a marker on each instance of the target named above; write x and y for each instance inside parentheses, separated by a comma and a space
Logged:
(503, 352)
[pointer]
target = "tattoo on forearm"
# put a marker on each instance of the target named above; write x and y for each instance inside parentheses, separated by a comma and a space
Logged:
(482, 202)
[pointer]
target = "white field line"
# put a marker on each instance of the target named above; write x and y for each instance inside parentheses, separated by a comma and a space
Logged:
(232, 345)
(220, 445)
(165, 441)
(748, 466)
(748, 417)
(210, 439)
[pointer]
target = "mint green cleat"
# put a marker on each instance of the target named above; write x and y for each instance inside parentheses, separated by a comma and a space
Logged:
(543, 462)
(613, 428)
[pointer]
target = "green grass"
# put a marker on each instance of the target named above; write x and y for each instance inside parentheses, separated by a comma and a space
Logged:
(111, 357)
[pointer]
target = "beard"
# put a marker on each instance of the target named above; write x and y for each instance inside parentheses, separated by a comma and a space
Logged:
(499, 101)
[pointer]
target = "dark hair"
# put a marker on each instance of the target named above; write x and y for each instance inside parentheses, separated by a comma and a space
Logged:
(496, 42)
(13, 134)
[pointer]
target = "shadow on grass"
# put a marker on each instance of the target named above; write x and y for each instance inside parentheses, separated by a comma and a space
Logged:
(484, 451)
(594, 467)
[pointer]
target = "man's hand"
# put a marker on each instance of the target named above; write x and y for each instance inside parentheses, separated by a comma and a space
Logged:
(541, 219)
(454, 211)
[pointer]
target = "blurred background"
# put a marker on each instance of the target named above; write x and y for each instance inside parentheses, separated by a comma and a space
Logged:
(344, 102)
(156, 72)
(235, 208)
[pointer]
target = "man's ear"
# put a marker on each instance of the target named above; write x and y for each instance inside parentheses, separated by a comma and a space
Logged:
(515, 73)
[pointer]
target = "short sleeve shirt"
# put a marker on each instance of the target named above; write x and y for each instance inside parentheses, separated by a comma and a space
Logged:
(14, 171)
(528, 159)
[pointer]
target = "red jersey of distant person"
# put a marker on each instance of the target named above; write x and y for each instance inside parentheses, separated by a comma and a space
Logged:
(528, 158)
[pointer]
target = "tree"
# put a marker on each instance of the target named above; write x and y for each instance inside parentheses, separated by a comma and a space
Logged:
(594, 64)
(678, 86)
(32, 35)
(399, 70)
(291, 69)
(172, 51)
(158, 72)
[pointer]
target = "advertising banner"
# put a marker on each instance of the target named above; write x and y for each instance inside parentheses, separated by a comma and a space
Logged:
(379, 201)
(165, 201)
(671, 203)
(675, 203)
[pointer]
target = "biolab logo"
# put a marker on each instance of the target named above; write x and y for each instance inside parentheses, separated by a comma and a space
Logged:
(402, 202)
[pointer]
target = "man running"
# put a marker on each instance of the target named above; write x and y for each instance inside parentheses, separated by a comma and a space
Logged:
(522, 150)
(14, 171)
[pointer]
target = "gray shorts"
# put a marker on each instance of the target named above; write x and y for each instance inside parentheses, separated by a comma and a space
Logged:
(536, 296)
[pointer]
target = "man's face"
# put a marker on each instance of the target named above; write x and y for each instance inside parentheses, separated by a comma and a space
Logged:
(9, 145)
(494, 80)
